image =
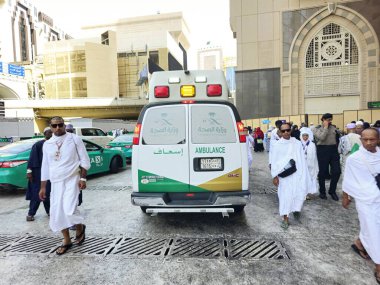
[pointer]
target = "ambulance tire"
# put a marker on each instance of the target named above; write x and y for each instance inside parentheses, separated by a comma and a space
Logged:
(143, 209)
(238, 209)
(115, 164)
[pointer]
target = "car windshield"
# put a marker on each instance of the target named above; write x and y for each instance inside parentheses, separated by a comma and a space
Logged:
(18, 147)
(124, 138)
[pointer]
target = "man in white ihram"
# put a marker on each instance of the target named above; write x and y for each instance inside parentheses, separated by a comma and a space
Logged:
(65, 163)
(292, 189)
(359, 182)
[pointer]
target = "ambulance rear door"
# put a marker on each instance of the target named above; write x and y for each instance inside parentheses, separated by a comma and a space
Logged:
(215, 150)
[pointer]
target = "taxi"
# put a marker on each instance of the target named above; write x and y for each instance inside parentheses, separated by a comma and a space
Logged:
(14, 160)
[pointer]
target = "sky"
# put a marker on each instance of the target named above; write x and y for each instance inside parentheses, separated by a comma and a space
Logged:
(208, 20)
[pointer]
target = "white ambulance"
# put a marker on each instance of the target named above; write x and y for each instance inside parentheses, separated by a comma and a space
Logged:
(189, 149)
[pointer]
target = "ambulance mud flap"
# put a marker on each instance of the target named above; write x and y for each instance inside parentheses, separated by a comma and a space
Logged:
(224, 211)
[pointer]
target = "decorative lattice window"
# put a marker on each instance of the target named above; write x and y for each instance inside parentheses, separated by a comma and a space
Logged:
(332, 67)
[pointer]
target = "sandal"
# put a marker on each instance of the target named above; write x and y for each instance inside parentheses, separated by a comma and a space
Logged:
(297, 215)
(377, 276)
(63, 248)
(362, 252)
(82, 236)
(29, 218)
(284, 225)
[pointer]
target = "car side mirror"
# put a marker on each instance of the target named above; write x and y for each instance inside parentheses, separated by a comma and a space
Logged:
(102, 150)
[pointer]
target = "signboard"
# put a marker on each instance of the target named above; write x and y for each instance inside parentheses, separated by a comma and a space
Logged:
(12, 69)
(266, 121)
(16, 70)
(6, 140)
(374, 105)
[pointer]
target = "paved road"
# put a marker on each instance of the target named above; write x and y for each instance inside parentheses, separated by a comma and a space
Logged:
(125, 246)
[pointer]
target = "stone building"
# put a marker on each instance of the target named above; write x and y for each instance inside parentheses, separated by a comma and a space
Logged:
(305, 56)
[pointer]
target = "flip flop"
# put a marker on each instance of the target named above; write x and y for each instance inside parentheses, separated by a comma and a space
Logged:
(65, 247)
(82, 236)
(361, 252)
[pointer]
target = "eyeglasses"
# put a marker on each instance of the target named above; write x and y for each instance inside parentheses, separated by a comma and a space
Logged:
(286, 130)
(60, 125)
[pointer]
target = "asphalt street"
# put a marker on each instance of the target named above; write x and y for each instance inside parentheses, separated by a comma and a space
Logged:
(125, 246)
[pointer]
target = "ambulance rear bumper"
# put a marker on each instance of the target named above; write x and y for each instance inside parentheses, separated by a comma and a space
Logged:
(172, 200)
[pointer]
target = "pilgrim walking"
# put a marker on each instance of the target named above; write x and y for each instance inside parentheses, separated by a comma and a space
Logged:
(65, 163)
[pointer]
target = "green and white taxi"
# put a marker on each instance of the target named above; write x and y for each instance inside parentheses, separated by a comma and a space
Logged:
(14, 159)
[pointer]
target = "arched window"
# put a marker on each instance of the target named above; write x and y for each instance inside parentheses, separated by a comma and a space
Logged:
(332, 63)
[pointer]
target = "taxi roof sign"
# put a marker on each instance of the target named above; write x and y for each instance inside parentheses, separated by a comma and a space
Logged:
(201, 80)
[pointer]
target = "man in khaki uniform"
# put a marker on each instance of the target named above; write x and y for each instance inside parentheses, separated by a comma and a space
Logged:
(328, 156)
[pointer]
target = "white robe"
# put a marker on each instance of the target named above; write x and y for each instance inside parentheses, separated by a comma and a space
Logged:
(274, 138)
(64, 177)
(360, 184)
(249, 142)
(292, 190)
(310, 152)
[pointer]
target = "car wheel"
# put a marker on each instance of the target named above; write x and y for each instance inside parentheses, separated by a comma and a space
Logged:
(115, 164)
(238, 209)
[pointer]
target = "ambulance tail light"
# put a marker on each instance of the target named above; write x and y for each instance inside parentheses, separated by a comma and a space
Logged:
(214, 90)
(161, 91)
(240, 127)
(136, 134)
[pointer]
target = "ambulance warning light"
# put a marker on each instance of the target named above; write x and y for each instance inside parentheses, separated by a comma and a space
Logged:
(187, 90)
(161, 91)
(214, 90)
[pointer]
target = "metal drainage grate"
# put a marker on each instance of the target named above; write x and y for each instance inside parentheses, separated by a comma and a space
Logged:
(264, 190)
(256, 249)
(190, 247)
(141, 247)
(95, 246)
(34, 244)
(6, 241)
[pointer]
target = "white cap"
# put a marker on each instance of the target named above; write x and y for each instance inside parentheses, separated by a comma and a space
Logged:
(359, 123)
(47, 129)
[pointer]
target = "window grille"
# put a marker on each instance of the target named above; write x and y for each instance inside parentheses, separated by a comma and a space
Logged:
(332, 63)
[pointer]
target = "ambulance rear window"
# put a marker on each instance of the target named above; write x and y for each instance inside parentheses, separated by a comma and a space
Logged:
(164, 126)
(212, 124)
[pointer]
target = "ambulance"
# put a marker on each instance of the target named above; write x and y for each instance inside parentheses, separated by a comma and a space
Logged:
(189, 148)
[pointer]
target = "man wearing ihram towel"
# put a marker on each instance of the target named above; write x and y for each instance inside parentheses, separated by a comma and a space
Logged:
(362, 182)
(65, 163)
(290, 174)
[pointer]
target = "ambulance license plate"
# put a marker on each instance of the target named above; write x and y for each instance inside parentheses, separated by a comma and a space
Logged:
(211, 164)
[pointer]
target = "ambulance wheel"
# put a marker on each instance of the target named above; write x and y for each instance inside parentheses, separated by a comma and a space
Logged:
(238, 209)
(115, 164)
(143, 209)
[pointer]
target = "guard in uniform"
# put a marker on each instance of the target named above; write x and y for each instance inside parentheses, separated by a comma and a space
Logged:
(328, 156)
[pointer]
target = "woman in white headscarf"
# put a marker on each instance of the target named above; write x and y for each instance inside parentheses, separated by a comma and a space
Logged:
(310, 152)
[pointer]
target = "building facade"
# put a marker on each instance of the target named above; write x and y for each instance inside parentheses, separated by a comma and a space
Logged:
(305, 56)
(81, 68)
(24, 31)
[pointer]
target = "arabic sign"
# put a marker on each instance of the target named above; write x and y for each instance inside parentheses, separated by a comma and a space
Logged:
(168, 152)
(6, 140)
(266, 121)
(12, 69)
